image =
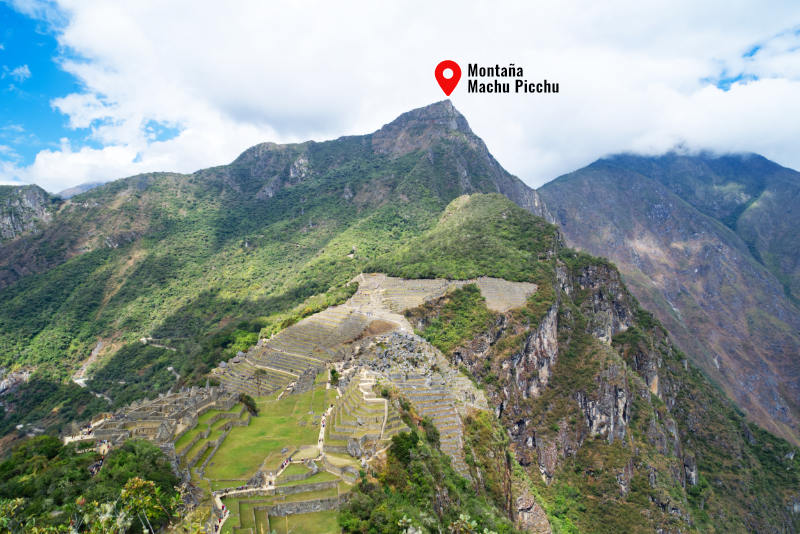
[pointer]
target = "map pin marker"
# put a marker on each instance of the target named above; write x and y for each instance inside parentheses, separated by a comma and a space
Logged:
(448, 83)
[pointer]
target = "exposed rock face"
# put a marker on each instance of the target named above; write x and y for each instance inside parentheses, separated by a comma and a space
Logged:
(531, 516)
(354, 447)
(594, 390)
(609, 414)
(609, 307)
(438, 130)
(23, 209)
(700, 242)
(421, 128)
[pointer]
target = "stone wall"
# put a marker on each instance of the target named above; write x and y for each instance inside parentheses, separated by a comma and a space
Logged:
(303, 507)
(283, 479)
(301, 488)
(347, 472)
(215, 446)
(336, 449)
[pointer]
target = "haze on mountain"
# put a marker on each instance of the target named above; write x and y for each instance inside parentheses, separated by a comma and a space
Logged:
(709, 243)
(597, 418)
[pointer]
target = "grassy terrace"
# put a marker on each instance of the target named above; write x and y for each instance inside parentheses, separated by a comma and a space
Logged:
(319, 522)
(292, 422)
(294, 469)
(322, 476)
(202, 425)
(242, 516)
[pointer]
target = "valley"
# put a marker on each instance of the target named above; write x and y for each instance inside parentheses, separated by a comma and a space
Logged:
(379, 333)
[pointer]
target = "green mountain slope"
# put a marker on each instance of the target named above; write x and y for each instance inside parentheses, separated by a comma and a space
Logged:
(598, 423)
(679, 228)
(199, 264)
(612, 428)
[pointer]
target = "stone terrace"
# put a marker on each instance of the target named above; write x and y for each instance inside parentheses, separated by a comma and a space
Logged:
(160, 420)
(313, 341)
(361, 421)
(306, 345)
(430, 398)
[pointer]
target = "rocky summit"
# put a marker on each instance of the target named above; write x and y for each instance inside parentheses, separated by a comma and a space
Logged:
(388, 333)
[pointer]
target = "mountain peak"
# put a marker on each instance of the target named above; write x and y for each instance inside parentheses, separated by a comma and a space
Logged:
(419, 128)
(442, 114)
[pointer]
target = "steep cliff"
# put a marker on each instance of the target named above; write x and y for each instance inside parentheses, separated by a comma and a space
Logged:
(697, 239)
(614, 429)
(24, 209)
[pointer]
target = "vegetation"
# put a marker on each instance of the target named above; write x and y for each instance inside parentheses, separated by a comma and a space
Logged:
(417, 487)
(478, 235)
(204, 265)
(184, 271)
(249, 403)
(463, 315)
(49, 484)
(279, 424)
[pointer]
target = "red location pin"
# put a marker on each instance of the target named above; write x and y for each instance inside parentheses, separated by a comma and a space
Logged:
(449, 83)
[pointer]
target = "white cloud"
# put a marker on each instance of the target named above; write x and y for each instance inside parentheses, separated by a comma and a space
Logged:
(228, 76)
(20, 74)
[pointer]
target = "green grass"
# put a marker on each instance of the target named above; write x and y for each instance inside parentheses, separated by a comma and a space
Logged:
(192, 452)
(318, 523)
(187, 437)
(294, 469)
(322, 476)
(277, 426)
(219, 484)
(308, 495)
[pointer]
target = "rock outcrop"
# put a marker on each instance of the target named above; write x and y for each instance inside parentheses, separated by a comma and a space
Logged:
(709, 245)
(24, 209)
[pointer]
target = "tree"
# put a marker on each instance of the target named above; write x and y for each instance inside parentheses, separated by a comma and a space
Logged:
(249, 403)
(260, 374)
(146, 501)
(334, 377)
(11, 514)
(108, 518)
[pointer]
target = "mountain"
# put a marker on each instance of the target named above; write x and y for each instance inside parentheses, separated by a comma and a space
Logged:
(708, 244)
(23, 209)
(611, 426)
(77, 189)
(431, 278)
(202, 263)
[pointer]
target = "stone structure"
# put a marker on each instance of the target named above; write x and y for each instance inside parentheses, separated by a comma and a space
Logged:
(164, 419)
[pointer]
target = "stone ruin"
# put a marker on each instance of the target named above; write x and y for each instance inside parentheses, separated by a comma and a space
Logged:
(159, 420)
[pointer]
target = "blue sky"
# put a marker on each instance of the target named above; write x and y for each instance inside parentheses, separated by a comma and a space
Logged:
(28, 123)
(93, 91)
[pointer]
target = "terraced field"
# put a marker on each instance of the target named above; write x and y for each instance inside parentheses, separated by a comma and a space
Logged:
(197, 442)
(289, 425)
(280, 360)
(359, 413)
(378, 304)
(431, 398)
(268, 512)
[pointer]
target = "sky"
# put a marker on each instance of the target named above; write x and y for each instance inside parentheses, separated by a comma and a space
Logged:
(94, 91)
